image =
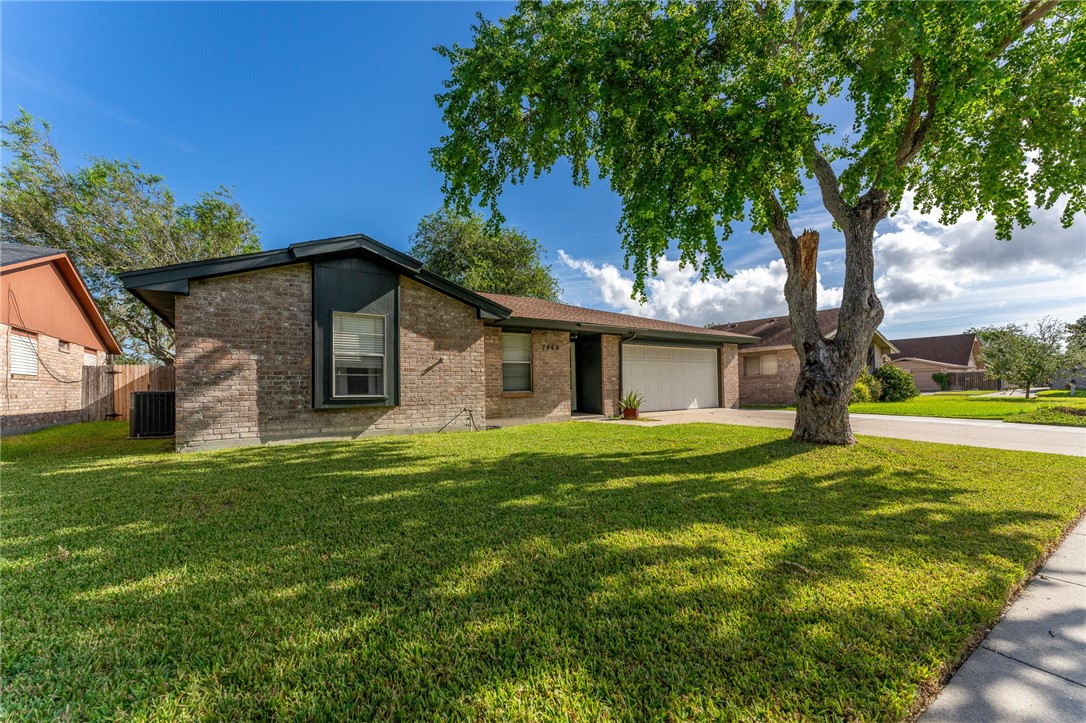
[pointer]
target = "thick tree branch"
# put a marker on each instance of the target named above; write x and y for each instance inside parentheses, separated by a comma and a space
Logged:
(828, 184)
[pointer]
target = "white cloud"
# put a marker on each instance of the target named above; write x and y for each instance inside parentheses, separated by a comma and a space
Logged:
(679, 294)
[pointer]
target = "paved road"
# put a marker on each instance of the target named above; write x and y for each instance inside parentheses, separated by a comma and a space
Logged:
(1032, 666)
(972, 432)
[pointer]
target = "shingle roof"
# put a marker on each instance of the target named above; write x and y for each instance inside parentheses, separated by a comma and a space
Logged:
(777, 330)
(950, 349)
(524, 307)
(12, 253)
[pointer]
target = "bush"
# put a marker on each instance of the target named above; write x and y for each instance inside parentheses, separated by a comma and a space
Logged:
(942, 379)
(897, 384)
(861, 393)
(873, 385)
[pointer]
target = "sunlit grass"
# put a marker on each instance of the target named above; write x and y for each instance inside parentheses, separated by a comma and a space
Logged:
(573, 571)
(976, 405)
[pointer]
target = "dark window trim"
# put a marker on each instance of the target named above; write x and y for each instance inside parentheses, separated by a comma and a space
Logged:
(530, 391)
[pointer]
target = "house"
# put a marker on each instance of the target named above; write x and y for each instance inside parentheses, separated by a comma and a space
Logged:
(928, 355)
(50, 329)
(344, 337)
(769, 369)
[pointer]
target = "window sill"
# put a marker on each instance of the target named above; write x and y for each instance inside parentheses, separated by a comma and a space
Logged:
(517, 395)
(26, 377)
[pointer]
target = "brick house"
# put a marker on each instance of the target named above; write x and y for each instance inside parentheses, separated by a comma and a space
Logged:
(769, 369)
(50, 329)
(924, 356)
(346, 337)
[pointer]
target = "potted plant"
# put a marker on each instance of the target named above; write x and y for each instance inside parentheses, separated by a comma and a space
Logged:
(631, 405)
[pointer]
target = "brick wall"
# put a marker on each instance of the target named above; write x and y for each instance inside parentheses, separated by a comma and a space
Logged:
(244, 364)
(30, 402)
(611, 359)
(729, 376)
(779, 388)
(549, 400)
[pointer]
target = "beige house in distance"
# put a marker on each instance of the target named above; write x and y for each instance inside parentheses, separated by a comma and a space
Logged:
(769, 369)
(929, 355)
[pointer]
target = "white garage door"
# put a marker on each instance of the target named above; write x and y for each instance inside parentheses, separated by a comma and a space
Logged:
(671, 377)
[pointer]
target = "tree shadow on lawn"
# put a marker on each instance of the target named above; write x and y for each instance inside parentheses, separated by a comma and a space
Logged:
(677, 574)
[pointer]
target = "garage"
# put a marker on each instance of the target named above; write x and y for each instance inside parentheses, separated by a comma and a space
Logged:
(671, 377)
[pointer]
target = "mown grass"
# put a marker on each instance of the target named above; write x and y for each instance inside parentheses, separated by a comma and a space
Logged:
(976, 405)
(568, 571)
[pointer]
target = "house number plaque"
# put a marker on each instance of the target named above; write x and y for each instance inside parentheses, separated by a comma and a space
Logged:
(552, 347)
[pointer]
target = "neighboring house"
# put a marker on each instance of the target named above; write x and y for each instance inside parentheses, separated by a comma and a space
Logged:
(50, 329)
(928, 355)
(345, 337)
(769, 369)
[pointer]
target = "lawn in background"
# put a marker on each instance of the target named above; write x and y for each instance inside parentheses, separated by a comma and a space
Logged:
(564, 571)
(977, 405)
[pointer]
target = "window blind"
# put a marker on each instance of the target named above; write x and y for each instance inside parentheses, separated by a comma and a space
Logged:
(517, 362)
(24, 355)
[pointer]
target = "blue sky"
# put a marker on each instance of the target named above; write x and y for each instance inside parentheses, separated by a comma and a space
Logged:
(321, 117)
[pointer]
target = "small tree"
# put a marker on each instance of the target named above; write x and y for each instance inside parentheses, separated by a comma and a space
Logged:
(112, 217)
(1023, 358)
(464, 250)
(897, 384)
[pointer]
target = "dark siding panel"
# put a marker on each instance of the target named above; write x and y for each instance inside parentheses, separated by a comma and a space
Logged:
(354, 285)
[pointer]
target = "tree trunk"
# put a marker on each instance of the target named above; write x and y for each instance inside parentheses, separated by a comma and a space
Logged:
(829, 367)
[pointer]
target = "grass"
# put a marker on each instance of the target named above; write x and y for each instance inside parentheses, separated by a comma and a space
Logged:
(567, 571)
(975, 405)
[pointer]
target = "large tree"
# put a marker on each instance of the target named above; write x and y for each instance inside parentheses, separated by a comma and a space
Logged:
(702, 115)
(112, 217)
(1022, 357)
(463, 249)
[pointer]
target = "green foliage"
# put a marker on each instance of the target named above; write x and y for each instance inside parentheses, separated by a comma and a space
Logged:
(544, 572)
(112, 217)
(703, 115)
(503, 261)
(942, 379)
(1022, 357)
(861, 394)
(897, 384)
(874, 386)
(975, 405)
(632, 400)
(1076, 343)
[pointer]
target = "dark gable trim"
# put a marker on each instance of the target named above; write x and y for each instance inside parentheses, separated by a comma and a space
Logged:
(157, 287)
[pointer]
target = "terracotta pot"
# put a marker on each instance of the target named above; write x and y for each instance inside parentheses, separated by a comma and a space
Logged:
(631, 413)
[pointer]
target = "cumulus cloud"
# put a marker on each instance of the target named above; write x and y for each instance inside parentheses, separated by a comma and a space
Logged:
(679, 294)
(921, 266)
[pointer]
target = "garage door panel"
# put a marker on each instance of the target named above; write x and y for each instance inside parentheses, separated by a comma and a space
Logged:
(671, 377)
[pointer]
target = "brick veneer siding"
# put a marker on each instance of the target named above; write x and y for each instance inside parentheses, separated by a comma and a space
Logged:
(611, 359)
(779, 388)
(549, 400)
(34, 402)
(729, 376)
(244, 364)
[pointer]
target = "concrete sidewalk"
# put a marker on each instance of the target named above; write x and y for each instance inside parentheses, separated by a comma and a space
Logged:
(972, 432)
(1032, 666)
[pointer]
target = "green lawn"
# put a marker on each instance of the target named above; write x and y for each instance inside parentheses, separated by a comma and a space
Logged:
(569, 571)
(974, 405)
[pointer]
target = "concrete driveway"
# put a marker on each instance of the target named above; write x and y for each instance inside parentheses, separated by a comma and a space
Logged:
(971, 432)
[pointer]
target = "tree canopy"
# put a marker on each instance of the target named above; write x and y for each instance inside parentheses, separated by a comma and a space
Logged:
(463, 249)
(705, 115)
(111, 216)
(1022, 357)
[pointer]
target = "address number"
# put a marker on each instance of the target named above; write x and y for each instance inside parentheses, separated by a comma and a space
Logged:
(552, 347)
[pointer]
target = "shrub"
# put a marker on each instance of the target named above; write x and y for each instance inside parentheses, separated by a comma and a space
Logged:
(861, 393)
(942, 379)
(873, 385)
(897, 384)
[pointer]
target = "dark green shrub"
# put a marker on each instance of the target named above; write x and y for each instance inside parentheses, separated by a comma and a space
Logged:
(942, 379)
(897, 384)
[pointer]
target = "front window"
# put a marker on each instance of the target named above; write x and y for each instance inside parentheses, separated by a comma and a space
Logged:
(358, 355)
(516, 362)
(760, 365)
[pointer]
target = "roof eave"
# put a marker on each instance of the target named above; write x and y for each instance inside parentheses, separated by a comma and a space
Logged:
(641, 334)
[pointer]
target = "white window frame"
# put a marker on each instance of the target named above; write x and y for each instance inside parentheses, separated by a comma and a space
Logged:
(529, 363)
(383, 356)
(748, 368)
(32, 342)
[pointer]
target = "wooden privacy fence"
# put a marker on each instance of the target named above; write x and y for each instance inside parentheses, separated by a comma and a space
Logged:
(106, 389)
(964, 381)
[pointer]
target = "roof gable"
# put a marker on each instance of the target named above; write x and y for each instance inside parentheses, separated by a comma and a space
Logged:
(948, 349)
(776, 331)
